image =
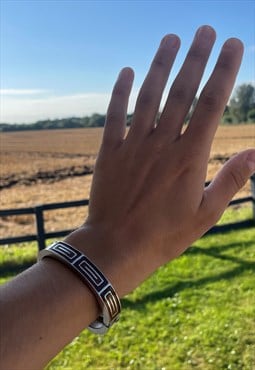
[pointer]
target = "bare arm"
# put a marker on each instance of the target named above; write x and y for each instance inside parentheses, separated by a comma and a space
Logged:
(147, 204)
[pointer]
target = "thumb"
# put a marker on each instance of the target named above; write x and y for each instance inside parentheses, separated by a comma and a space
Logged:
(229, 180)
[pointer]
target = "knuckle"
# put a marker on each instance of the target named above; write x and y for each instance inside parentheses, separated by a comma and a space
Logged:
(113, 116)
(159, 61)
(237, 178)
(211, 100)
(178, 93)
(119, 91)
(196, 54)
(225, 61)
(145, 99)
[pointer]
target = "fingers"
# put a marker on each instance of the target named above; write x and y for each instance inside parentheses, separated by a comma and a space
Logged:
(231, 178)
(215, 95)
(150, 95)
(115, 124)
(185, 86)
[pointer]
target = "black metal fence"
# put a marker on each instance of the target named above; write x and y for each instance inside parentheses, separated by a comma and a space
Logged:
(41, 235)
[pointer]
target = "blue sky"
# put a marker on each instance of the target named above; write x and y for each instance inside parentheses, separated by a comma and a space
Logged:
(60, 58)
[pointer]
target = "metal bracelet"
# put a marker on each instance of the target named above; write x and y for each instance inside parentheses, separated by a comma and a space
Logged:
(105, 294)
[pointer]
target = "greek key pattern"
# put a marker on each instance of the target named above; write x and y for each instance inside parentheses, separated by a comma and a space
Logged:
(105, 293)
(81, 264)
(111, 301)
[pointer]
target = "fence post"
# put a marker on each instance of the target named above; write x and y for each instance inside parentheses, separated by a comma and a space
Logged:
(40, 227)
(253, 194)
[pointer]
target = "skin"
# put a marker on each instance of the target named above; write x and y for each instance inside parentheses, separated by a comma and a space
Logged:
(147, 204)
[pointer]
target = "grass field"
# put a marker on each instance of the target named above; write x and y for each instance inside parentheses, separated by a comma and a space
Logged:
(197, 312)
(48, 167)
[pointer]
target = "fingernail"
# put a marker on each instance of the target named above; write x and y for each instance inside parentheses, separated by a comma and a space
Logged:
(171, 41)
(205, 33)
(251, 161)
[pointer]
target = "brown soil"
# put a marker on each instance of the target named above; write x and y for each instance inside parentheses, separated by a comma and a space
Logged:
(56, 166)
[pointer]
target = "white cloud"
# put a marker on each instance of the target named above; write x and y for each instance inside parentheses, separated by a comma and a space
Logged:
(18, 109)
(19, 92)
(28, 108)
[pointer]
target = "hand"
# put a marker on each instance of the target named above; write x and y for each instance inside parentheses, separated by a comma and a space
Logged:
(148, 202)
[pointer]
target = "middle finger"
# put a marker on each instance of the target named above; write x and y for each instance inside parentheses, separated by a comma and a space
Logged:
(184, 88)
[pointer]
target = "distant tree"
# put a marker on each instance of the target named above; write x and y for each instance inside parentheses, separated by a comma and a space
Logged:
(85, 121)
(240, 109)
(251, 115)
(242, 102)
(227, 118)
(226, 110)
(96, 120)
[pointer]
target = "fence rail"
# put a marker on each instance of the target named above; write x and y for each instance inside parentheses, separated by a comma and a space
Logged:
(41, 236)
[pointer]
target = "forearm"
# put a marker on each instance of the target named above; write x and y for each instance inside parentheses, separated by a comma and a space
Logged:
(42, 310)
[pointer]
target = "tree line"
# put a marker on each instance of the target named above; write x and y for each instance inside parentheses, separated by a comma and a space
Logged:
(241, 109)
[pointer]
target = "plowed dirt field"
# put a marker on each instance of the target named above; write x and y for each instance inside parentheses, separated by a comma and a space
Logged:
(53, 166)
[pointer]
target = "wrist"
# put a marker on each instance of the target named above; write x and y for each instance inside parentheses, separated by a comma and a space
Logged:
(89, 274)
(119, 254)
(65, 287)
(103, 249)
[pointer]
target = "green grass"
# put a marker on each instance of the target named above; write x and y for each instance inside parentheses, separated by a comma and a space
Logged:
(197, 312)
